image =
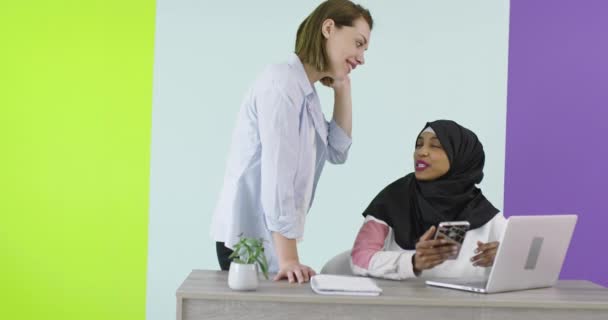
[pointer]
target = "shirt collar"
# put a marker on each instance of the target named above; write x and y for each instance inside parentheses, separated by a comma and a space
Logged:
(295, 62)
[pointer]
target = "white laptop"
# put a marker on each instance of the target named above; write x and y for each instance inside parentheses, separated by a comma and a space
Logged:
(530, 255)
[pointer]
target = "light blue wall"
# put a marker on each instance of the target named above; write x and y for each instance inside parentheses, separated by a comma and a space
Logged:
(427, 60)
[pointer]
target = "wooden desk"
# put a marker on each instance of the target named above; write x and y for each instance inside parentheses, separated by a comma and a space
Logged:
(205, 295)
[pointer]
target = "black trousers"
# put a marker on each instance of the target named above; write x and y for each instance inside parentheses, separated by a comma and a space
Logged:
(222, 255)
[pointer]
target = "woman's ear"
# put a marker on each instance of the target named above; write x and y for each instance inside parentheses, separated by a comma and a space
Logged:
(327, 27)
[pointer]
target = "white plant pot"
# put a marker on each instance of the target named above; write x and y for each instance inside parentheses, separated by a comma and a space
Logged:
(243, 276)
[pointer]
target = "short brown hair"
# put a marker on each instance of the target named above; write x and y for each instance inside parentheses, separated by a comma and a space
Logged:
(310, 43)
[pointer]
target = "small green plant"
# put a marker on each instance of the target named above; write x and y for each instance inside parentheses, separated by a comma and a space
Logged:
(249, 251)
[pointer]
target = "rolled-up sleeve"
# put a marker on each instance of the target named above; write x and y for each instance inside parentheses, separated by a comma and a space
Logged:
(278, 120)
(338, 143)
(369, 257)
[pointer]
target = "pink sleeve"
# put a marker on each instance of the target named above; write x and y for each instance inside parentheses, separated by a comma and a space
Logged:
(370, 240)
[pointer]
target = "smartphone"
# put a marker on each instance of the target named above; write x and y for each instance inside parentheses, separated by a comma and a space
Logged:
(455, 232)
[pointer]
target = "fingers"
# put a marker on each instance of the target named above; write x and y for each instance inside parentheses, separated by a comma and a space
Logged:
(486, 246)
(486, 252)
(311, 272)
(293, 273)
(432, 252)
(306, 275)
(327, 81)
(428, 262)
(427, 244)
(284, 274)
(484, 259)
(484, 262)
(281, 275)
(299, 275)
(428, 235)
(427, 241)
(443, 249)
(435, 258)
(436, 263)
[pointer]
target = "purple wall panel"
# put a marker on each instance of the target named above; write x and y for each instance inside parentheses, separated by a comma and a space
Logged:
(557, 123)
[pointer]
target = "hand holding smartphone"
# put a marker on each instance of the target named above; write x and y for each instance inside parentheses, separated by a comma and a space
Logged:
(453, 231)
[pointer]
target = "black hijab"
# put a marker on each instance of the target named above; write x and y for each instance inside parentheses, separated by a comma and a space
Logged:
(411, 207)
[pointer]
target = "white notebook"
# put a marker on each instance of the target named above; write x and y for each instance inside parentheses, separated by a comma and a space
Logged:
(344, 285)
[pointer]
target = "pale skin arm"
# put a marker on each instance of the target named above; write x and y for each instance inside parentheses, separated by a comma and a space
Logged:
(343, 103)
(290, 267)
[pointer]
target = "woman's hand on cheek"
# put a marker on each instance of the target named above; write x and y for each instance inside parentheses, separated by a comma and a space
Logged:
(337, 84)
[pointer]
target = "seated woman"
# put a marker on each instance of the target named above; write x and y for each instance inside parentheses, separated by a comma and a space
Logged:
(396, 240)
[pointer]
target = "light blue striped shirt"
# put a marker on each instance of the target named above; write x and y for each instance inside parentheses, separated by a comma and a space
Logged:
(279, 147)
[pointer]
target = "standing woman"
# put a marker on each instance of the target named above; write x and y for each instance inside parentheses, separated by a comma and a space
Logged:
(282, 140)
